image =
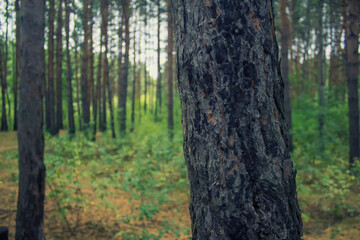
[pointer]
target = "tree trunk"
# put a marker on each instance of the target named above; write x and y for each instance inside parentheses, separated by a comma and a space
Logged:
(91, 55)
(170, 47)
(285, 68)
(17, 63)
(321, 58)
(134, 79)
(3, 62)
(104, 29)
(124, 83)
(68, 70)
(84, 70)
(110, 100)
(158, 85)
(242, 184)
(145, 50)
(30, 206)
(50, 90)
(77, 78)
(59, 122)
(352, 73)
(120, 56)
(97, 92)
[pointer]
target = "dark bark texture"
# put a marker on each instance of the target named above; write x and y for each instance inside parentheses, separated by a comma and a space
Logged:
(30, 207)
(50, 88)
(17, 63)
(242, 183)
(352, 73)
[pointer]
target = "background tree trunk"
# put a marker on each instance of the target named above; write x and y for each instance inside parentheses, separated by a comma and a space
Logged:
(68, 70)
(30, 206)
(242, 185)
(85, 68)
(59, 121)
(158, 84)
(50, 90)
(124, 83)
(170, 47)
(17, 63)
(352, 73)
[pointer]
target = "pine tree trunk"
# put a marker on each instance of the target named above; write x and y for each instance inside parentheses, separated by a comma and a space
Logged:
(97, 93)
(170, 47)
(158, 84)
(68, 70)
(30, 205)
(145, 62)
(91, 55)
(242, 184)
(352, 73)
(77, 79)
(3, 62)
(17, 63)
(104, 27)
(124, 83)
(120, 57)
(51, 73)
(321, 57)
(285, 26)
(134, 80)
(59, 121)
(84, 69)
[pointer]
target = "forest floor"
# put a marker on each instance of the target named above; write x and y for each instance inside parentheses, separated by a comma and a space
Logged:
(98, 222)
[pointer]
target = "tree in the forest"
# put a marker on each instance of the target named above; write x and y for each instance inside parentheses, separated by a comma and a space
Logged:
(68, 70)
(59, 57)
(352, 73)
(30, 206)
(50, 93)
(17, 62)
(158, 82)
(170, 117)
(242, 183)
(4, 72)
(125, 70)
(84, 69)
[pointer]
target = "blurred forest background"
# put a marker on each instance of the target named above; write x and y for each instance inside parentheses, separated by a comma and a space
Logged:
(115, 167)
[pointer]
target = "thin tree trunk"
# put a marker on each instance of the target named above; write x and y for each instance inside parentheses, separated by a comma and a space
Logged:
(91, 55)
(158, 86)
(120, 56)
(242, 184)
(352, 73)
(30, 205)
(68, 70)
(84, 70)
(97, 93)
(145, 62)
(59, 121)
(104, 27)
(110, 96)
(50, 90)
(77, 78)
(285, 27)
(124, 83)
(3, 61)
(170, 47)
(134, 79)
(4, 126)
(322, 76)
(17, 63)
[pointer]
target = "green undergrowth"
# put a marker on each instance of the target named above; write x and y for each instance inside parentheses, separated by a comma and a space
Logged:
(145, 164)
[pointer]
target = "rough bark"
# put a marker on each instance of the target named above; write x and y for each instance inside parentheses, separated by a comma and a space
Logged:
(59, 57)
(124, 82)
(50, 90)
(84, 69)
(17, 63)
(242, 184)
(170, 47)
(285, 68)
(120, 57)
(68, 70)
(30, 206)
(352, 73)
(91, 54)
